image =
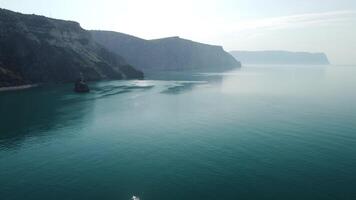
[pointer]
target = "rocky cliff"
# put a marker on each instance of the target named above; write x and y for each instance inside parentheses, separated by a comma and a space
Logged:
(36, 49)
(166, 54)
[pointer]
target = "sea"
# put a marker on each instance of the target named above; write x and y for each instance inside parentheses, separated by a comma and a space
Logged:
(260, 132)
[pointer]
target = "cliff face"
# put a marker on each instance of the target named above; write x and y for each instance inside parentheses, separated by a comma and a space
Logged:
(280, 57)
(36, 49)
(166, 54)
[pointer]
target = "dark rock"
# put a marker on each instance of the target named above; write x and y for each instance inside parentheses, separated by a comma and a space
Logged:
(80, 86)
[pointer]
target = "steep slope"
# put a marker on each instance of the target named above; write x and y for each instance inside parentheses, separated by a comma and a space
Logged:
(36, 49)
(166, 54)
(280, 57)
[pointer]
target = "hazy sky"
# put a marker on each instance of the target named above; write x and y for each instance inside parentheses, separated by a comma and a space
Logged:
(298, 25)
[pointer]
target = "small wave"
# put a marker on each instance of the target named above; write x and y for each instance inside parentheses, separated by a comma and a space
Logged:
(181, 87)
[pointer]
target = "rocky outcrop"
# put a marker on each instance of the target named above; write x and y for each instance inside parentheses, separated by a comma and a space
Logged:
(166, 54)
(81, 86)
(36, 49)
(280, 57)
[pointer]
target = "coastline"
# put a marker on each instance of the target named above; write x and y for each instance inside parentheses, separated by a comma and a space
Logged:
(20, 87)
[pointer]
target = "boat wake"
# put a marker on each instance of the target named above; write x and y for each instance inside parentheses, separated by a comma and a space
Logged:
(135, 198)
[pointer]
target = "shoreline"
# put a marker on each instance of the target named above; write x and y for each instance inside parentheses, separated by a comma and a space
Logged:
(20, 87)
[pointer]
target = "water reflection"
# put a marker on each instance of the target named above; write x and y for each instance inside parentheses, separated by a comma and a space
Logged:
(187, 76)
(226, 130)
(181, 87)
(33, 112)
(107, 89)
(275, 80)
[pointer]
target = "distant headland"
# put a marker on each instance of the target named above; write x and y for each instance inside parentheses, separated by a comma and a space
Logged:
(281, 57)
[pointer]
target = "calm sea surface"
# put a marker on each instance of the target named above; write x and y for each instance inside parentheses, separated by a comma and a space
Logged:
(256, 133)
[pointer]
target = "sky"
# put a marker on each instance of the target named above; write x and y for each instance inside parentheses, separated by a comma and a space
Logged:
(296, 25)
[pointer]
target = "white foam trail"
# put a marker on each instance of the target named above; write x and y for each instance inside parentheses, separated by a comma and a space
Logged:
(135, 198)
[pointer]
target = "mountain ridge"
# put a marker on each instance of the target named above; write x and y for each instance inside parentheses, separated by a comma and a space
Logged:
(171, 53)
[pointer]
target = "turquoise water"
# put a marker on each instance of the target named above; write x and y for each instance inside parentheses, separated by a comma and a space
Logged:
(255, 133)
